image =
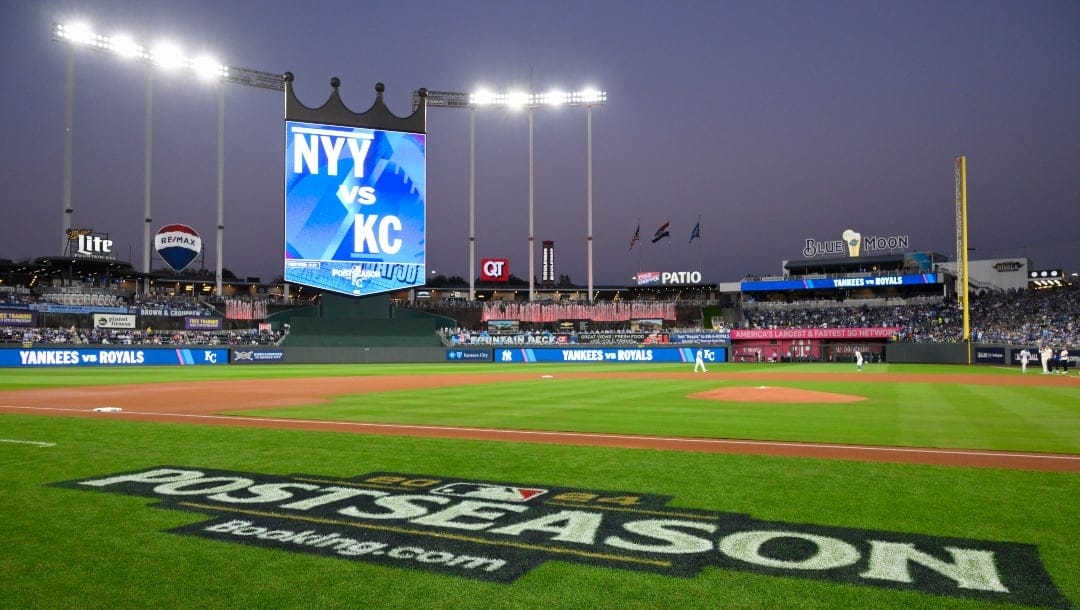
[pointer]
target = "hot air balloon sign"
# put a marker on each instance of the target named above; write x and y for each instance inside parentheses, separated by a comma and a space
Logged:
(177, 245)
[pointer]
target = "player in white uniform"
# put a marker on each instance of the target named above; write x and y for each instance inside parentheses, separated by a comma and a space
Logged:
(1045, 354)
(699, 361)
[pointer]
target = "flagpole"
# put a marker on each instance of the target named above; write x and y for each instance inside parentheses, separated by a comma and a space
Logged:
(639, 251)
(697, 227)
(640, 259)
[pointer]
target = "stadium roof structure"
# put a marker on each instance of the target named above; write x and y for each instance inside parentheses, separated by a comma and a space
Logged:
(59, 265)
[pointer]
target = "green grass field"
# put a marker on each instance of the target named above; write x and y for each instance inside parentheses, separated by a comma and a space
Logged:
(65, 547)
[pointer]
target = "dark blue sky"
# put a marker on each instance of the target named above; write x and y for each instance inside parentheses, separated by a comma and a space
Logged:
(773, 121)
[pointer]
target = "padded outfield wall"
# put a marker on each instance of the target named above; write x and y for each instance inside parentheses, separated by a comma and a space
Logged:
(106, 356)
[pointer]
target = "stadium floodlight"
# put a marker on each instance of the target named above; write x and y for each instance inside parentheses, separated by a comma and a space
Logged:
(125, 46)
(484, 98)
(169, 56)
(164, 56)
(207, 67)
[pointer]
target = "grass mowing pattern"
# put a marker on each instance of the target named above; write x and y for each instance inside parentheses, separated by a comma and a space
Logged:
(1017, 418)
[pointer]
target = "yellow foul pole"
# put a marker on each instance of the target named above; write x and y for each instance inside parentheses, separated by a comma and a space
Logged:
(962, 247)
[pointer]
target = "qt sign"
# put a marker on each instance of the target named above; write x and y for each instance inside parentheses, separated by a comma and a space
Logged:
(494, 270)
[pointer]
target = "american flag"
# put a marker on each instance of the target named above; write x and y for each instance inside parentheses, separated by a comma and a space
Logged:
(636, 238)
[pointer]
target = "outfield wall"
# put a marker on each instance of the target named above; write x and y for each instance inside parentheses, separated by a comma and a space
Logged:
(957, 353)
(105, 356)
(929, 353)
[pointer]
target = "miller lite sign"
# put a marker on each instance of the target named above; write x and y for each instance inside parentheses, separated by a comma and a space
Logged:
(84, 243)
(494, 270)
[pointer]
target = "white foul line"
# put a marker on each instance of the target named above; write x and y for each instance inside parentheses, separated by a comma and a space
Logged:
(539, 433)
(37, 443)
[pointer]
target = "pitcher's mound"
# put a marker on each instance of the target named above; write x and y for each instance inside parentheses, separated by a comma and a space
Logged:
(764, 393)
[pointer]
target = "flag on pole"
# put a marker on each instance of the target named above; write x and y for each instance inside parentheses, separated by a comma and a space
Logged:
(696, 233)
(636, 238)
(661, 233)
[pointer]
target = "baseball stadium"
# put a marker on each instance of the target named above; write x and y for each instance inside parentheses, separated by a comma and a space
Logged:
(870, 428)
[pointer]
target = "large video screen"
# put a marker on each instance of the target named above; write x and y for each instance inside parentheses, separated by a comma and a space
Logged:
(355, 200)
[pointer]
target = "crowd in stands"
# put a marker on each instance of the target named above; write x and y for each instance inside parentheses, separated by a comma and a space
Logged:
(86, 334)
(1017, 317)
(923, 322)
(1044, 317)
(98, 336)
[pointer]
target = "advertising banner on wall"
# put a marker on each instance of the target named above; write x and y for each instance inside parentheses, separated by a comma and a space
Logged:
(258, 356)
(608, 354)
(700, 337)
(113, 320)
(18, 317)
(468, 355)
(201, 323)
(989, 355)
(873, 332)
(828, 283)
(119, 356)
(354, 208)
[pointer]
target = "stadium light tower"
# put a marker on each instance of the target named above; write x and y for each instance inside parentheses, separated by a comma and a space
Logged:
(529, 101)
(160, 57)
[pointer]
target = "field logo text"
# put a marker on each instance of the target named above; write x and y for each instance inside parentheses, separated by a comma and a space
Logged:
(498, 532)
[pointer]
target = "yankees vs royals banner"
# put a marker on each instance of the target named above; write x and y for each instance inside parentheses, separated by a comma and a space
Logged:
(354, 208)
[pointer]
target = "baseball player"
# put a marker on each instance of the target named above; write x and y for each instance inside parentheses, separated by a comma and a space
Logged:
(699, 361)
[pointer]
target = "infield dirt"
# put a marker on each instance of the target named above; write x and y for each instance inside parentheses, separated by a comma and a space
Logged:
(173, 402)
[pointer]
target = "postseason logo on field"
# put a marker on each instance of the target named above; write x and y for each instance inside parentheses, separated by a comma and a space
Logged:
(498, 532)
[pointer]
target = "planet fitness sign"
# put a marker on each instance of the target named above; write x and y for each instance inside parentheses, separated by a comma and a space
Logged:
(354, 208)
(499, 531)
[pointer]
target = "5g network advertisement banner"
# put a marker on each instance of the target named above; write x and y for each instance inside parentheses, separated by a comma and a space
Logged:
(355, 201)
(609, 354)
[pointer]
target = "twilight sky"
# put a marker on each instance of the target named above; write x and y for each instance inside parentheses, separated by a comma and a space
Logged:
(772, 121)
